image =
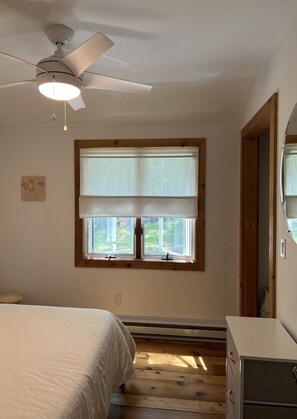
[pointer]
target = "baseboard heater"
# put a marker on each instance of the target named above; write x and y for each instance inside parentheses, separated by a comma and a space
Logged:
(175, 328)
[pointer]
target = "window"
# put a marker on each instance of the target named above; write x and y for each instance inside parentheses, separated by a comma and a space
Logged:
(290, 186)
(140, 204)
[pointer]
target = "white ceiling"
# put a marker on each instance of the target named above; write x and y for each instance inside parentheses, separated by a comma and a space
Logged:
(201, 56)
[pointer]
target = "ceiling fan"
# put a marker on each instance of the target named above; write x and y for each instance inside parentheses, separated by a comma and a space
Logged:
(64, 76)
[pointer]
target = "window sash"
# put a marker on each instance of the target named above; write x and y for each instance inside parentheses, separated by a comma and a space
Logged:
(181, 245)
(112, 242)
(109, 249)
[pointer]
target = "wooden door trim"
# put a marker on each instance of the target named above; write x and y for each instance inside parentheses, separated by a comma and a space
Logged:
(249, 226)
(266, 118)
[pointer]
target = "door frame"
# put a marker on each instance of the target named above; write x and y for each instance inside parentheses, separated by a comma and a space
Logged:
(265, 119)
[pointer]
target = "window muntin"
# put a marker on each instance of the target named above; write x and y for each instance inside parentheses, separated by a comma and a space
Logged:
(188, 240)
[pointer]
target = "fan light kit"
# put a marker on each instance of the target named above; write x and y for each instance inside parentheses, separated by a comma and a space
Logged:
(57, 90)
(63, 77)
(57, 81)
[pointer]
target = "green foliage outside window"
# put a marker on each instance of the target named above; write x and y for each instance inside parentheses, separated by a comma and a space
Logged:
(116, 235)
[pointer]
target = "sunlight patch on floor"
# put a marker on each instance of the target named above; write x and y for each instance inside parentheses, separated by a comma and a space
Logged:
(152, 358)
(202, 363)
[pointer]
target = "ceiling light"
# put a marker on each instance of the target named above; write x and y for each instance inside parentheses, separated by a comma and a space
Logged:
(59, 86)
(59, 91)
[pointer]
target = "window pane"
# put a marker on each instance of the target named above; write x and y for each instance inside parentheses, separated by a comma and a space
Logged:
(165, 176)
(142, 171)
(290, 174)
(108, 177)
(292, 223)
(110, 235)
(168, 235)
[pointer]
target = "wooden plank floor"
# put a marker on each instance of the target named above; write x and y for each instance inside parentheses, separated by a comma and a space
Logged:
(173, 379)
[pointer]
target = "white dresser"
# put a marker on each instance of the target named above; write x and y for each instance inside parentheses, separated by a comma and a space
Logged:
(261, 370)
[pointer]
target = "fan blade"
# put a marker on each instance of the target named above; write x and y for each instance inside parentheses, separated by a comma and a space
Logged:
(20, 60)
(16, 83)
(87, 53)
(77, 103)
(97, 81)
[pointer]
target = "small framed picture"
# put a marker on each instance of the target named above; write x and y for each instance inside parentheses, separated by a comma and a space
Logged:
(33, 188)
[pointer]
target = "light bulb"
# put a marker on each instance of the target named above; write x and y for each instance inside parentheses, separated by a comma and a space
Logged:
(59, 91)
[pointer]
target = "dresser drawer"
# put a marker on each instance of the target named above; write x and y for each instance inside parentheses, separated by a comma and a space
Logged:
(268, 381)
(232, 400)
(262, 358)
(269, 412)
(233, 359)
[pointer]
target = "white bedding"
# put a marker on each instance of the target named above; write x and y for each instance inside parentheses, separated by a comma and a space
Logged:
(61, 363)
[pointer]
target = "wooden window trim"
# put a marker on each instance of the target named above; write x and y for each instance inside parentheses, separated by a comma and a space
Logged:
(198, 265)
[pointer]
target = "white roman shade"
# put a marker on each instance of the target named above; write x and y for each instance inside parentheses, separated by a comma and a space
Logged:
(139, 182)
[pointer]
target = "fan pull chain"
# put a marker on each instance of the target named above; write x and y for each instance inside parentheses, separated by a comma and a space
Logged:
(65, 122)
(54, 117)
(54, 104)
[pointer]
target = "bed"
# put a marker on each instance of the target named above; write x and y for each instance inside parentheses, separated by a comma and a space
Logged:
(61, 363)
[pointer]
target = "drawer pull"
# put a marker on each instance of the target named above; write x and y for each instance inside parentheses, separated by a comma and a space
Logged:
(230, 396)
(230, 356)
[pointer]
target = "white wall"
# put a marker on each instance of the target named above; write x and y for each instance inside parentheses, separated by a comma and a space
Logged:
(37, 238)
(281, 76)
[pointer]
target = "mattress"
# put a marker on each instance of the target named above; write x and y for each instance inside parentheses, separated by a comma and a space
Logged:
(61, 363)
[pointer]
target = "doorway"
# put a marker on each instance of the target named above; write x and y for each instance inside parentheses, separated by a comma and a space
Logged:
(258, 215)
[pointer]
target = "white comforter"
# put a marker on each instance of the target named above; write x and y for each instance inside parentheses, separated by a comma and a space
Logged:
(61, 363)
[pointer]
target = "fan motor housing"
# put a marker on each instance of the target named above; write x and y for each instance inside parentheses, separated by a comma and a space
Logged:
(54, 71)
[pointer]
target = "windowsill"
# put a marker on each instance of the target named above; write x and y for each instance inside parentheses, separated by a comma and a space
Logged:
(141, 264)
(151, 259)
